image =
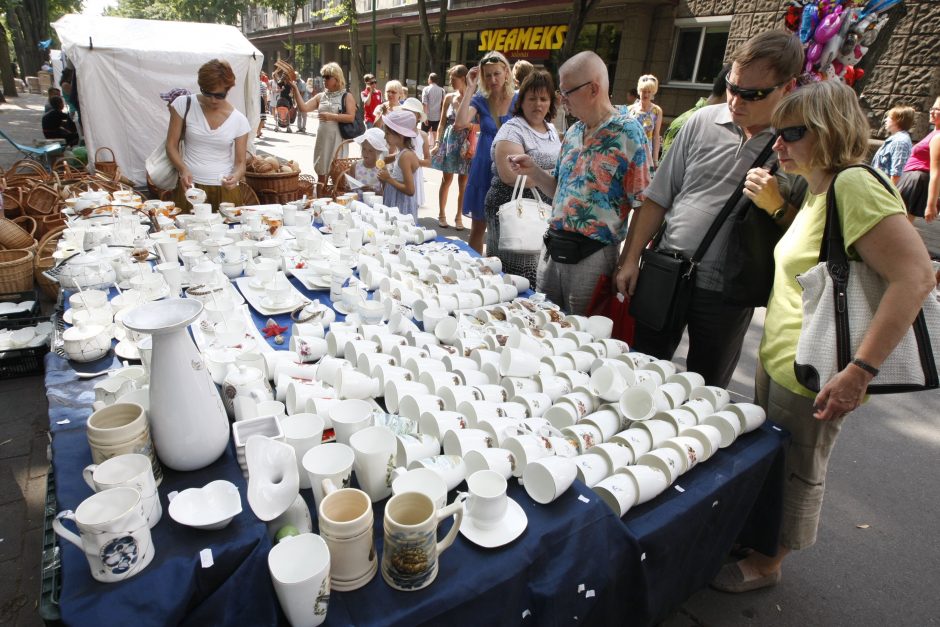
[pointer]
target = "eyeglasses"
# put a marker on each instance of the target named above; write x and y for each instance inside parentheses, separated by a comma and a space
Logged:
(935, 110)
(490, 59)
(326, 77)
(218, 95)
(792, 134)
(565, 93)
(752, 95)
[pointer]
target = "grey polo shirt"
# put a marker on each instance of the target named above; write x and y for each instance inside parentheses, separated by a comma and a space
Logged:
(704, 165)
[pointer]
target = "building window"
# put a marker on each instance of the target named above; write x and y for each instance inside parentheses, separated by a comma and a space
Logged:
(699, 49)
(394, 62)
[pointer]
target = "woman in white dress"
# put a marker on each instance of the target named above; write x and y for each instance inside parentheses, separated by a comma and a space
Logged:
(327, 105)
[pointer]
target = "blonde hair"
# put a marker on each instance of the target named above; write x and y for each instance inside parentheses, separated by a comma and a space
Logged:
(520, 70)
(830, 110)
(397, 86)
(508, 87)
(903, 116)
(334, 70)
(648, 81)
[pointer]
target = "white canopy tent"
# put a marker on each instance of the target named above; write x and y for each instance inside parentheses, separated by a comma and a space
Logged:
(124, 65)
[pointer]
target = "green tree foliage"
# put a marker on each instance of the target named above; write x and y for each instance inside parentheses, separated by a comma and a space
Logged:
(205, 11)
(344, 13)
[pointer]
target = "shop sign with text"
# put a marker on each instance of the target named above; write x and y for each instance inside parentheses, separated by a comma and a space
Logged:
(532, 41)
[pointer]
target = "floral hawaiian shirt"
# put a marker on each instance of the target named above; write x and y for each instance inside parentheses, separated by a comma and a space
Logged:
(599, 178)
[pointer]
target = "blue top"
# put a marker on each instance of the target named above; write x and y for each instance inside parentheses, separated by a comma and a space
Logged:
(478, 183)
(893, 154)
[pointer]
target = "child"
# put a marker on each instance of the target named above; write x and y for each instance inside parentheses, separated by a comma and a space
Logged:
(366, 172)
(894, 153)
(422, 146)
(399, 180)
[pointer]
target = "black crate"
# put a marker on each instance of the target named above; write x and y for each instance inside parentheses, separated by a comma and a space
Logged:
(24, 318)
(23, 362)
(51, 566)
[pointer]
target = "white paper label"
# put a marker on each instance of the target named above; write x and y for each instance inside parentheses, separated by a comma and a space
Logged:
(583, 498)
(679, 488)
(205, 556)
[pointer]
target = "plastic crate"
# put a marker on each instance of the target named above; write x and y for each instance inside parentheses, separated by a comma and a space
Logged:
(22, 318)
(23, 362)
(51, 566)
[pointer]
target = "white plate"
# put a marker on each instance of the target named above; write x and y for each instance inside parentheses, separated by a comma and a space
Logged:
(509, 528)
(127, 350)
(326, 230)
(205, 340)
(260, 303)
(340, 308)
(311, 280)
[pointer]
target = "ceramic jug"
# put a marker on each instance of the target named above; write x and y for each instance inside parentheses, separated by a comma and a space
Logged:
(187, 418)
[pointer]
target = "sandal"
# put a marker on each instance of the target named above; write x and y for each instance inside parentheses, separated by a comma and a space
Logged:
(442, 222)
(458, 226)
(731, 579)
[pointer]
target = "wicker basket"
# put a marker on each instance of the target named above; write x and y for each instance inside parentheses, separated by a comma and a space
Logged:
(43, 200)
(280, 187)
(44, 261)
(307, 186)
(28, 224)
(107, 166)
(16, 270)
(25, 170)
(12, 235)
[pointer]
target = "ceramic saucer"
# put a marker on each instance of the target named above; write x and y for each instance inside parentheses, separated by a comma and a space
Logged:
(286, 304)
(326, 230)
(509, 528)
(127, 350)
(341, 308)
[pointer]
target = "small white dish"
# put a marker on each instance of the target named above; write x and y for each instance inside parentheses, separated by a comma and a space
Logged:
(340, 308)
(127, 350)
(212, 506)
(509, 528)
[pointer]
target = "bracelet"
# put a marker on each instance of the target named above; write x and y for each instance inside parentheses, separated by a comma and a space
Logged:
(867, 367)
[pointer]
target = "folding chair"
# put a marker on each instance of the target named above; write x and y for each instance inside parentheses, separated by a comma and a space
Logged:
(43, 154)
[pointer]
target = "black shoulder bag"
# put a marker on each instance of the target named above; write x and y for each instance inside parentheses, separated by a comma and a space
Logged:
(664, 285)
(351, 130)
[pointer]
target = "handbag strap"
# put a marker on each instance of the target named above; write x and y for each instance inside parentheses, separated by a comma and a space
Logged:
(729, 206)
(518, 187)
(189, 101)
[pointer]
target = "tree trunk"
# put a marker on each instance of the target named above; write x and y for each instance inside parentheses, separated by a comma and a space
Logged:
(29, 25)
(580, 9)
(433, 43)
(6, 71)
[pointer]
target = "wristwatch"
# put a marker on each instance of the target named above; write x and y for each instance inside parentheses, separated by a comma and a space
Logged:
(780, 213)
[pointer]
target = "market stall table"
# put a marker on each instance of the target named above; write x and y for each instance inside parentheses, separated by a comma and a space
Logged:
(576, 561)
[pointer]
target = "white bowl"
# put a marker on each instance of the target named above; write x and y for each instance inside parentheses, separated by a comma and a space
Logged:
(212, 506)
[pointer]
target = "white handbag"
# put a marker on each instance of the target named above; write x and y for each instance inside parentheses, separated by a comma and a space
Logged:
(523, 221)
(160, 169)
(840, 298)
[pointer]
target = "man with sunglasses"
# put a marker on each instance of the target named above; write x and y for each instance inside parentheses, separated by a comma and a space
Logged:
(710, 156)
(371, 98)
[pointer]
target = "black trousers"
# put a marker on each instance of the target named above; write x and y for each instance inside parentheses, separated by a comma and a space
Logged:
(716, 333)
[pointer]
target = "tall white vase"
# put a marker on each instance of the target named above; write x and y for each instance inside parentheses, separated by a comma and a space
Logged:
(188, 422)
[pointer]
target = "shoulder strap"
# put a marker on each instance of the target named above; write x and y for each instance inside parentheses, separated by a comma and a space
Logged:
(832, 249)
(730, 204)
(189, 101)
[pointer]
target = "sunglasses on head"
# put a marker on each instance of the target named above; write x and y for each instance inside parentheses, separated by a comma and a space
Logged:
(218, 95)
(792, 134)
(752, 95)
(491, 59)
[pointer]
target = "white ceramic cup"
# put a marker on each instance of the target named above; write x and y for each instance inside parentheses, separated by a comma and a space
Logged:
(302, 431)
(423, 480)
(752, 416)
(112, 533)
(345, 517)
(464, 440)
(333, 461)
(618, 491)
(650, 481)
(717, 396)
(350, 416)
(451, 468)
(591, 468)
(131, 471)
(487, 502)
(300, 571)
(376, 449)
(547, 478)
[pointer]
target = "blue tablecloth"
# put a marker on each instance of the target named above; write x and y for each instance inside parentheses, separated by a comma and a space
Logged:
(576, 561)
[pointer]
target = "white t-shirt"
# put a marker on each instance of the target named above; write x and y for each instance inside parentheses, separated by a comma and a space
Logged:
(210, 154)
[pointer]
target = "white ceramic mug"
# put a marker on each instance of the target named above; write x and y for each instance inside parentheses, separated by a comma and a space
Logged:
(345, 517)
(332, 461)
(112, 533)
(300, 571)
(423, 480)
(451, 468)
(130, 471)
(487, 502)
(350, 416)
(376, 449)
(547, 478)
(302, 431)
(411, 522)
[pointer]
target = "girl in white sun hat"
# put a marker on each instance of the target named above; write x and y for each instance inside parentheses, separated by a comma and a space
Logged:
(373, 146)
(422, 147)
(399, 178)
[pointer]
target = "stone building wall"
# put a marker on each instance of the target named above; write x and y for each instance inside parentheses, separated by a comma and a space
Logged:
(903, 66)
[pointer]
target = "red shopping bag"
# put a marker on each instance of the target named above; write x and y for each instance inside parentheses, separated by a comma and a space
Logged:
(605, 302)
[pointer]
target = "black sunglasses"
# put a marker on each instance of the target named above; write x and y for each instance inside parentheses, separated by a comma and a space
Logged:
(565, 93)
(792, 134)
(492, 59)
(752, 95)
(218, 95)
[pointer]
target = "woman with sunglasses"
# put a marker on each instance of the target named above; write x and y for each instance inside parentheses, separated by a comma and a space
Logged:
(215, 135)
(395, 94)
(822, 131)
(490, 108)
(920, 180)
(327, 105)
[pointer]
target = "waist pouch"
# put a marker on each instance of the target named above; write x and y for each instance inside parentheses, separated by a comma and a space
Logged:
(570, 247)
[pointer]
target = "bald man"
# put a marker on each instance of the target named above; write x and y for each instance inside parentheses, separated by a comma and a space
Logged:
(600, 170)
